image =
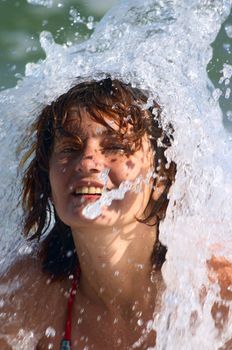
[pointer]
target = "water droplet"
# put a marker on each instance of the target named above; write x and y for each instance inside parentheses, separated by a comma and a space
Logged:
(69, 253)
(140, 266)
(103, 176)
(90, 23)
(25, 250)
(216, 94)
(50, 332)
(115, 230)
(150, 325)
(79, 320)
(46, 3)
(228, 30)
(227, 93)
(75, 16)
(229, 115)
(227, 47)
(13, 68)
(119, 341)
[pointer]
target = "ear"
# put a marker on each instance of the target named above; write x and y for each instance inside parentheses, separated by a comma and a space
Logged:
(159, 187)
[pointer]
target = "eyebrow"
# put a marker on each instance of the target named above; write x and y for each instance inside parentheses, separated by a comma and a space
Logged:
(80, 133)
(106, 132)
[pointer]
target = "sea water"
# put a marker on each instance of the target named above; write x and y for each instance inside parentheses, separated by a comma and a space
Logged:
(164, 47)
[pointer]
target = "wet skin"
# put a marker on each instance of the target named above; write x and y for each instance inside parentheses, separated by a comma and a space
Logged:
(108, 247)
(116, 297)
(70, 164)
(108, 304)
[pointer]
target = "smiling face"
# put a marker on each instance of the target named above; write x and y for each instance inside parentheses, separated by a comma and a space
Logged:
(81, 154)
(69, 150)
(94, 126)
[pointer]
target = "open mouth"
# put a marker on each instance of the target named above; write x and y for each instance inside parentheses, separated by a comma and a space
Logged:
(88, 192)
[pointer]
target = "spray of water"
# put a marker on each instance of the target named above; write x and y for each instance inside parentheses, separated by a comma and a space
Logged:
(164, 47)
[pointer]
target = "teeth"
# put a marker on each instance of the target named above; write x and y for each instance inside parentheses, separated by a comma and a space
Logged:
(89, 190)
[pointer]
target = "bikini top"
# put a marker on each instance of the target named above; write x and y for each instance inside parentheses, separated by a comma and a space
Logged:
(66, 341)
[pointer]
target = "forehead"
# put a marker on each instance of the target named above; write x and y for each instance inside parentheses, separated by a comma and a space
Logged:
(79, 121)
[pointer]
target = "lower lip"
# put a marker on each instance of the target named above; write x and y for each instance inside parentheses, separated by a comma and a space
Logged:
(88, 196)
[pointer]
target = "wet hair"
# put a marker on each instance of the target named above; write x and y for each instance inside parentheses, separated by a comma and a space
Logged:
(103, 100)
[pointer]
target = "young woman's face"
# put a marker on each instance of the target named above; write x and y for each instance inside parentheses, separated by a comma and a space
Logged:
(75, 179)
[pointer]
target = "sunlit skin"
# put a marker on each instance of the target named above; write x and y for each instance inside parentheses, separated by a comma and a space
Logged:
(114, 248)
(114, 239)
(69, 165)
(119, 292)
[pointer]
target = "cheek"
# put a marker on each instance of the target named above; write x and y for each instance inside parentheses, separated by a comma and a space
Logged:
(129, 169)
(57, 175)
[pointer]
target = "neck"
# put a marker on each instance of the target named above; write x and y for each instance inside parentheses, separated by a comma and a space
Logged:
(116, 264)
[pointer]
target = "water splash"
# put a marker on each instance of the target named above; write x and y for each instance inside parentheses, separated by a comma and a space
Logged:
(46, 3)
(154, 45)
(228, 30)
(92, 211)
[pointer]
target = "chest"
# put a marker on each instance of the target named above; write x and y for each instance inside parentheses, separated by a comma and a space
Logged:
(97, 327)
(94, 328)
(107, 336)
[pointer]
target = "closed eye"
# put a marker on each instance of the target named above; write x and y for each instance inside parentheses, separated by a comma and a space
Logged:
(116, 148)
(70, 150)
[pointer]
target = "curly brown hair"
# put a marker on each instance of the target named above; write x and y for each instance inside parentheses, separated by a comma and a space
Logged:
(105, 98)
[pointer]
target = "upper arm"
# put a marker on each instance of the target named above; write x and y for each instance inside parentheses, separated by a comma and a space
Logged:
(227, 345)
(29, 304)
(220, 271)
(16, 297)
(4, 345)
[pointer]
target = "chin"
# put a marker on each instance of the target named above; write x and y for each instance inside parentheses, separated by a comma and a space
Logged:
(79, 220)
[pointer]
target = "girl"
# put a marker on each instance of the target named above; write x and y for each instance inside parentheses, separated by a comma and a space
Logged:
(93, 282)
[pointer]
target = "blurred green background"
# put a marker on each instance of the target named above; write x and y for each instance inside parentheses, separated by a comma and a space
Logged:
(22, 21)
(71, 21)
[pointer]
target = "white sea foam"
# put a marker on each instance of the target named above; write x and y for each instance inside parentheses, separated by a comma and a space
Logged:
(154, 45)
(46, 3)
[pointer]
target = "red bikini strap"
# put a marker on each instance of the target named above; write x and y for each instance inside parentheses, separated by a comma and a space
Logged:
(67, 335)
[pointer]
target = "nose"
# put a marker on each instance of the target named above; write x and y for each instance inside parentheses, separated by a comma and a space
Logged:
(91, 160)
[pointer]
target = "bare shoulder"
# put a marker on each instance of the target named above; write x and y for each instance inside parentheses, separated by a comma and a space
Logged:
(220, 271)
(19, 266)
(21, 276)
(28, 302)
